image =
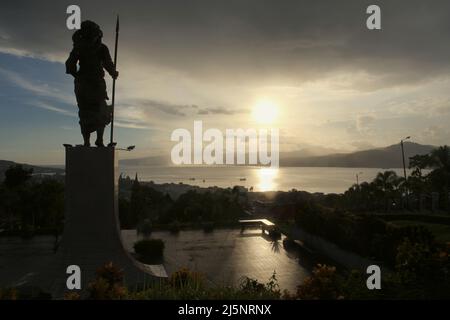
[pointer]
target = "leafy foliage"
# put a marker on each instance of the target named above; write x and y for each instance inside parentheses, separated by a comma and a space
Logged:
(16, 176)
(365, 235)
(147, 205)
(188, 285)
(323, 284)
(28, 206)
(108, 284)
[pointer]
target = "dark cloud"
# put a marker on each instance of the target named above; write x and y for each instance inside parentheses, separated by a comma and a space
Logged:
(168, 108)
(179, 109)
(283, 42)
(220, 110)
(165, 107)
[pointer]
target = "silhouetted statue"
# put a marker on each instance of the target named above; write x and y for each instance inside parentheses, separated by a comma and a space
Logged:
(92, 56)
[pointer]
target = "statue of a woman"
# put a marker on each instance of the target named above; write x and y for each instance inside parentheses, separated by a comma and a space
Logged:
(92, 56)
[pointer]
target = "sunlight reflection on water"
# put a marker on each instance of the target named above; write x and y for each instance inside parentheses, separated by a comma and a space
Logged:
(267, 179)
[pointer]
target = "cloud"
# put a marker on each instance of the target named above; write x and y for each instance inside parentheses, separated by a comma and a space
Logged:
(126, 119)
(121, 123)
(131, 125)
(185, 59)
(428, 106)
(251, 41)
(435, 134)
(165, 107)
(148, 106)
(220, 110)
(49, 107)
(364, 122)
(40, 89)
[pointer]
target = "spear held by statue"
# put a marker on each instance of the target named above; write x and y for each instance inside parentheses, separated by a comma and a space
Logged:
(112, 143)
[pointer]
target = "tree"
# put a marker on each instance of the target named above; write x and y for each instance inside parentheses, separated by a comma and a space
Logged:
(16, 176)
(387, 183)
(440, 176)
(417, 181)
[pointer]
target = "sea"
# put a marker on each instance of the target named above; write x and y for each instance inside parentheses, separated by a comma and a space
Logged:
(311, 179)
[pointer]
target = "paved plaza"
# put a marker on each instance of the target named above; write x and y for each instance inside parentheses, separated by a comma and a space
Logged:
(225, 256)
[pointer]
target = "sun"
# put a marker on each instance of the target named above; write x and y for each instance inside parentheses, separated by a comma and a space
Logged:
(265, 111)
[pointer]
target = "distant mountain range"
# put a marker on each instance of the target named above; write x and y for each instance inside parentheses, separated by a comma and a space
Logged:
(387, 157)
(308, 151)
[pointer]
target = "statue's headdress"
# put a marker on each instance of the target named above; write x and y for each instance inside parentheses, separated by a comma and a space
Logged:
(89, 32)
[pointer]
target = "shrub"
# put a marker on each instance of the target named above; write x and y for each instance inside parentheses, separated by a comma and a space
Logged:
(72, 296)
(149, 250)
(366, 235)
(184, 278)
(8, 294)
(188, 285)
(253, 287)
(108, 284)
(322, 284)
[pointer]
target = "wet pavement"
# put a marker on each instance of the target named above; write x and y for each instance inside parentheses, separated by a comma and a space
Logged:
(225, 256)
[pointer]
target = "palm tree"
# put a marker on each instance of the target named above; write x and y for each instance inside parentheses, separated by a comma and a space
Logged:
(386, 183)
(367, 194)
(417, 182)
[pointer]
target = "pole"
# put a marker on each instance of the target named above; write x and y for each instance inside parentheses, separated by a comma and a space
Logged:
(357, 178)
(403, 157)
(404, 172)
(111, 143)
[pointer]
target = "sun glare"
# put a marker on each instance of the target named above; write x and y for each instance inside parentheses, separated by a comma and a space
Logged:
(265, 111)
(267, 179)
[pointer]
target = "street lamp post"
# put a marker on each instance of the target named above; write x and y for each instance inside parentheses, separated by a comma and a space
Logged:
(404, 170)
(403, 155)
(357, 178)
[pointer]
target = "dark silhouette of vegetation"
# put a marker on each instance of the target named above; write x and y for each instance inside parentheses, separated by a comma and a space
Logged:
(384, 193)
(16, 176)
(323, 284)
(366, 235)
(187, 285)
(8, 294)
(108, 284)
(28, 206)
(430, 174)
(420, 273)
(149, 250)
(146, 205)
(183, 284)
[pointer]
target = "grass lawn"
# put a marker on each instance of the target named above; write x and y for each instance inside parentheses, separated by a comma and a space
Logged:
(440, 231)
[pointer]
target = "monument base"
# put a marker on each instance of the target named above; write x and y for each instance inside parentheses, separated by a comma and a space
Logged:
(91, 236)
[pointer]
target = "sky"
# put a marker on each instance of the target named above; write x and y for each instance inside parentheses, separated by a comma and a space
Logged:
(329, 82)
